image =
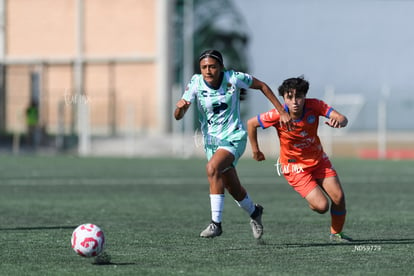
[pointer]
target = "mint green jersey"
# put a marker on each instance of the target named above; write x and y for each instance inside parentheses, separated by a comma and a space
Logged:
(219, 110)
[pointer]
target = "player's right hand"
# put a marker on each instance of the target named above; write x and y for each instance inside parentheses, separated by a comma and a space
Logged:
(182, 103)
(286, 122)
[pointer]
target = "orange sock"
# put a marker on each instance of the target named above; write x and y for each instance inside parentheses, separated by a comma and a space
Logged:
(337, 221)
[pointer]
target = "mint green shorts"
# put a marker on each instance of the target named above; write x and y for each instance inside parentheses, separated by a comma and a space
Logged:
(236, 148)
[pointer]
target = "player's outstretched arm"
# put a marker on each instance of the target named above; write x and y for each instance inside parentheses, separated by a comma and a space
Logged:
(252, 125)
(337, 120)
(285, 119)
(181, 108)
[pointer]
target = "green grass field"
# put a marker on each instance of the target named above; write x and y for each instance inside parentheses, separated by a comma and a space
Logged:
(152, 211)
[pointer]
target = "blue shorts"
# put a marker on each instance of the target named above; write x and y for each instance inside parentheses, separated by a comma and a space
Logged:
(236, 148)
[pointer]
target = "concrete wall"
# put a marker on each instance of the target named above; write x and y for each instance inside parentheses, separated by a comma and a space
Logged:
(117, 43)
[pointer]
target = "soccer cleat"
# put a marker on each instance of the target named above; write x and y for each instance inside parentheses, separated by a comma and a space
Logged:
(212, 230)
(340, 237)
(256, 222)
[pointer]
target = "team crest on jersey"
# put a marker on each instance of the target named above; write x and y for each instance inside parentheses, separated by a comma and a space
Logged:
(230, 88)
(311, 119)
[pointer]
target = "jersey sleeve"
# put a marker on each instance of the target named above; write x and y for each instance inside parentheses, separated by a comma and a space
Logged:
(323, 108)
(191, 89)
(242, 80)
(268, 119)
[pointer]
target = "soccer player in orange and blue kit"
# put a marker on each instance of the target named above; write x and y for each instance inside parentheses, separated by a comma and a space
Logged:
(302, 160)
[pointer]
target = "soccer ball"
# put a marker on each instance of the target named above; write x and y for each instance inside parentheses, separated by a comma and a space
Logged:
(88, 240)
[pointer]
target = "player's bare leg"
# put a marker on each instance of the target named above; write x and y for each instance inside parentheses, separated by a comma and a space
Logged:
(218, 163)
(232, 184)
(317, 200)
(333, 189)
(222, 175)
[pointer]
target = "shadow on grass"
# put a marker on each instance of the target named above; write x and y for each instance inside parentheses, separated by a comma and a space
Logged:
(105, 259)
(111, 263)
(385, 241)
(353, 243)
(38, 228)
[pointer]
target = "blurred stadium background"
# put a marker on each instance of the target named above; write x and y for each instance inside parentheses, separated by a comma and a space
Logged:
(93, 77)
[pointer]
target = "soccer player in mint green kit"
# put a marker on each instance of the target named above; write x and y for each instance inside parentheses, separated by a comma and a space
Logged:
(216, 91)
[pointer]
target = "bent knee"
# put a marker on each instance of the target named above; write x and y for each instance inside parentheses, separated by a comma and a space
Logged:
(321, 208)
(211, 170)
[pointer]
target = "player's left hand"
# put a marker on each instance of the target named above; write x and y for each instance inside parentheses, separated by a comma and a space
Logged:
(333, 123)
(258, 156)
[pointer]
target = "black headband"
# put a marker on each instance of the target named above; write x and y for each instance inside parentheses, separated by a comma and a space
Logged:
(216, 57)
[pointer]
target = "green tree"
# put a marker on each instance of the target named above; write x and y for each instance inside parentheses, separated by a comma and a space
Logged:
(217, 25)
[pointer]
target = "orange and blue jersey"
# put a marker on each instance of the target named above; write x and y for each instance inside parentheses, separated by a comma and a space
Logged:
(300, 146)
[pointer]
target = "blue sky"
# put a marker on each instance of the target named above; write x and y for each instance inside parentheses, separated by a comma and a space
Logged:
(353, 46)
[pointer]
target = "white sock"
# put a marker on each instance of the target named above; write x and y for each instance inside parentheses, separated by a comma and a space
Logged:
(217, 205)
(247, 205)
